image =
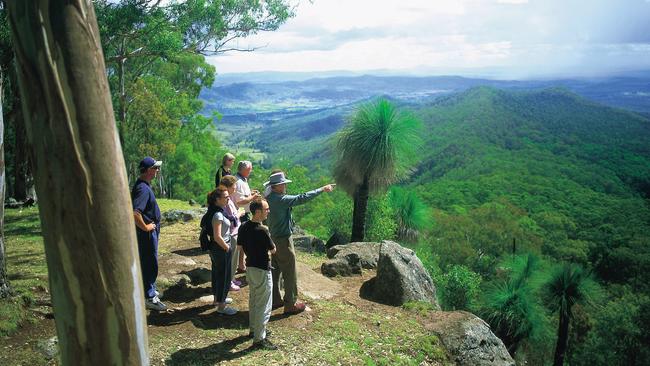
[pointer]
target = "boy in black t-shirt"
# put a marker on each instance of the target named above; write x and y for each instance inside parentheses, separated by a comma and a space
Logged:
(255, 241)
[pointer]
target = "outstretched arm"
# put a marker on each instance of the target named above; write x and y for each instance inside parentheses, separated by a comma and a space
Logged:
(295, 200)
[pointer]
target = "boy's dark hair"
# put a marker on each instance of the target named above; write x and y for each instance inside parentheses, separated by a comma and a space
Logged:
(257, 205)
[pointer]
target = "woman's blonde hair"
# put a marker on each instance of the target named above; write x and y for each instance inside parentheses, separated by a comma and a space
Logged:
(226, 157)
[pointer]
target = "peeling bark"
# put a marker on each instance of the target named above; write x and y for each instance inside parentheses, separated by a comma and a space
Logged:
(85, 209)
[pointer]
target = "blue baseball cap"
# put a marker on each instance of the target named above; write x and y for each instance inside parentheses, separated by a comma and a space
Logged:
(149, 162)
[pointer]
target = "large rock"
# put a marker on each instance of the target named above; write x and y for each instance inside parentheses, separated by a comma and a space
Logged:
(345, 267)
(173, 216)
(336, 239)
(173, 259)
(367, 252)
(347, 260)
(401, 277)
(308, 243)
(468, 339)
(49, 348)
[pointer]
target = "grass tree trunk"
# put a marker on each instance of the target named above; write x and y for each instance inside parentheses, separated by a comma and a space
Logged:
(562, 340)
(5, 290)
(359, 214)
(85, 210)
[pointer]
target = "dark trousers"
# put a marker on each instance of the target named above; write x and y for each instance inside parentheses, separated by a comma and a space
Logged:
(148, 251)
(221, 271)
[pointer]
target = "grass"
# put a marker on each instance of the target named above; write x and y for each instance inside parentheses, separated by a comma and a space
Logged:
(26, 267)
(167, 204)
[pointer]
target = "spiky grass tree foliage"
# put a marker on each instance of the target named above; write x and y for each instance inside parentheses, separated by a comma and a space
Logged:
(568, 285)
(511, 306)
(412, 215)
(377, 148)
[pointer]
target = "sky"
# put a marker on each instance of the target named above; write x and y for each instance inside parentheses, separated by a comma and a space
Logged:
(499, 38)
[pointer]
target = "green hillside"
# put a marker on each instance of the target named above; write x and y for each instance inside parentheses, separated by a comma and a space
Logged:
(546, 172)
(575, 169)
(549, 173)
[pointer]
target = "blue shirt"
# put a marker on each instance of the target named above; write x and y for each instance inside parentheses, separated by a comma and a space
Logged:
(145, 203)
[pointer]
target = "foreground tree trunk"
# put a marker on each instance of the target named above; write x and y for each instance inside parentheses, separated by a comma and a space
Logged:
(359, 213)
(5, 290)
(85, 209)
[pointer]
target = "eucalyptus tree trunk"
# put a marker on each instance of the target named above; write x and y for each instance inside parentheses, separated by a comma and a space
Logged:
(5, 290)
(359, 213)
(85, 208)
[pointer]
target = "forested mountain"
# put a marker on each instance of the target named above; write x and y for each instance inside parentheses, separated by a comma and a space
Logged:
(575, 172)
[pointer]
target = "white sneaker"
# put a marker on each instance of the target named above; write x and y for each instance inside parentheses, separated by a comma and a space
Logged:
(157, 294)
(227, 311)
(227, 302)
(155, 304)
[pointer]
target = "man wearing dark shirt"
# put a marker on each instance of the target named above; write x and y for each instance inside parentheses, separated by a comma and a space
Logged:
(255, 240)
(146, 214)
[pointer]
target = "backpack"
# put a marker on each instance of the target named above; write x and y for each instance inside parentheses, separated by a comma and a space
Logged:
(204, 239)
(205, 235)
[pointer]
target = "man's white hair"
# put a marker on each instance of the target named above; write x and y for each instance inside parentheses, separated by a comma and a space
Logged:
(244, 164)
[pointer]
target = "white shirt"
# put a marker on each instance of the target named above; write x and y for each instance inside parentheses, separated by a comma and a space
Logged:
(242, 191)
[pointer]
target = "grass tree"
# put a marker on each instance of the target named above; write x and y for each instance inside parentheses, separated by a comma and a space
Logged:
(568, 285)
(377, 148)
(511, 305)
(412, 214)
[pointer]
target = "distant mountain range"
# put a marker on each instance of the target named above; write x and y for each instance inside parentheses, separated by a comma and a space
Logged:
(259, 101)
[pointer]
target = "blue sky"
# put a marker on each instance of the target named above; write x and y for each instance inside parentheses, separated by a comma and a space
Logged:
(501, 38)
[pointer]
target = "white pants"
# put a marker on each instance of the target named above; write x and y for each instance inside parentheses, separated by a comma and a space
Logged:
(260, 285)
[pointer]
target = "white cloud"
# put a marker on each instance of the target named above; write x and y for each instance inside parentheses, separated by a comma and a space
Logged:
(382, 34)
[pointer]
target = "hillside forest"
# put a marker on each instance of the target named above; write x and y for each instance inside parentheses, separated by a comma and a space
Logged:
(529, 204)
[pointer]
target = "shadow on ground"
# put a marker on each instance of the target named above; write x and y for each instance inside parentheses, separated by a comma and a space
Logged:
(191, 252)
(198, 276)
(163, 319)
(182, 294)
(210, 355)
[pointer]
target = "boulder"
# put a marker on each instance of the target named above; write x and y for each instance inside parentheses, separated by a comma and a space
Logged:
(401, 277)
(49, 347)
(199, 275)
(177, 260)
(173, 216)
(297, 230)
(468, 339)
(176, 280)
(345, 267)
(12, 203)
(308, 243)
(367, 252)
(336, 239)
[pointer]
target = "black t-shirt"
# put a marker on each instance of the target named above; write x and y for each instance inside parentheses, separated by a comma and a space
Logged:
(256, 242)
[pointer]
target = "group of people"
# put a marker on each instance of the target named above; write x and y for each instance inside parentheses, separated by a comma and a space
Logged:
(240, 241)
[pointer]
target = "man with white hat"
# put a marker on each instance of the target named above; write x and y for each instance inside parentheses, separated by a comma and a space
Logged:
(281, 227)
(147, 221)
